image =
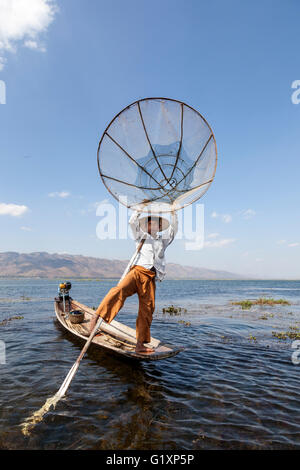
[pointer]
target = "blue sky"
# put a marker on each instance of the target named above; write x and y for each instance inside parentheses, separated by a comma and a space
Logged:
(67, 76)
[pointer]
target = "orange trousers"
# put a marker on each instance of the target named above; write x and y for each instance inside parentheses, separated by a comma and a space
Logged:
(139, 281)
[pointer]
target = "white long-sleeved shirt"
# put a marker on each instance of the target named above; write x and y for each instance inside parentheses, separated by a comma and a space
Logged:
(152, 253)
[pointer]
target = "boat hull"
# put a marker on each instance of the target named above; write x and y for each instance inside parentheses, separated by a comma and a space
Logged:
(114, 337)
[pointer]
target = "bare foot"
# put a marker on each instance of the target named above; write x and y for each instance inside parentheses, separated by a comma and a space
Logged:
(141, 348)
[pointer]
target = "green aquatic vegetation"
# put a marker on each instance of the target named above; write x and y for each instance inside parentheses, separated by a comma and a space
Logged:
(247, 304)
(174, 310)
(279, 335)
(266, 316)
(265, 301)
(185, 323)
(293, 335)
(286, 334)
(23, 297)
(6, 300)
(226, 339)
(6, 320)
(253, 338)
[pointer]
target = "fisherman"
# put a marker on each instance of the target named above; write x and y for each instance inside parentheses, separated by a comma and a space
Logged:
(148, 267)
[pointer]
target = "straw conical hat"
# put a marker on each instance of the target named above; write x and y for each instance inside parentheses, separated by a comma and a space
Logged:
(163, 223)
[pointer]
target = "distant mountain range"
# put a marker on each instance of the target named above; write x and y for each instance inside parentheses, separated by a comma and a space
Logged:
(64, 266)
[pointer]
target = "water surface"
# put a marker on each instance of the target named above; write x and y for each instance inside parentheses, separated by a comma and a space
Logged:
(234, 386)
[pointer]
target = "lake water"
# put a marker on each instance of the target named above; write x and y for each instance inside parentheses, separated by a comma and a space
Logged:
(233, 387)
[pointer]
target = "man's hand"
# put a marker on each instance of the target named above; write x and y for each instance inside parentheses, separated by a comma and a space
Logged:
(139, 207)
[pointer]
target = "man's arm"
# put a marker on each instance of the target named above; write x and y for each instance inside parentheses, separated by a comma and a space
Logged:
(135, 226)
(170, 233)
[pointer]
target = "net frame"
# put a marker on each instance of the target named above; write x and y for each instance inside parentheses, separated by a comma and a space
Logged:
(151, 201)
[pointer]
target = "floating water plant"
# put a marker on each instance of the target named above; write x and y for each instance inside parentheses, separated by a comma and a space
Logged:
(185, 323)
(6, 320)
(174, 310)
(265, 301)
(286, 334)
(247, 304)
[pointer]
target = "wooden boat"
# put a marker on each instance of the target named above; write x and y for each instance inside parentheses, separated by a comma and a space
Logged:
(114, 337)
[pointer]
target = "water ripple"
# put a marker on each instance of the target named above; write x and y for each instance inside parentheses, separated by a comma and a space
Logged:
(225, 391)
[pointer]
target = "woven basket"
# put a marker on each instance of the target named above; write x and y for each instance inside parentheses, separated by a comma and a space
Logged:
(76, 316)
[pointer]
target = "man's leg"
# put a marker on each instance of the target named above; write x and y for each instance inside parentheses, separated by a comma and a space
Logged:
(115, 298)
(146, 293)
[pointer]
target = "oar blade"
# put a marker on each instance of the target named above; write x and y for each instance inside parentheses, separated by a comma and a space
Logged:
(30, 422)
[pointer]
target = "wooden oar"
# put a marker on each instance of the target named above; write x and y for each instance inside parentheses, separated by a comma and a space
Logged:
(38, 415)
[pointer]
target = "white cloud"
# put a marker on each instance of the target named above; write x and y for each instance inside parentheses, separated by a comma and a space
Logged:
(290, 245)
(26, 229)
(258, 260)
(62, 194)
(216, 242)
(2, 63)
(34, 45)
(95, 205)
(219, 243)
(22, 22)
(213, 235)
(225, 217)
(248, 214)
(14, 210)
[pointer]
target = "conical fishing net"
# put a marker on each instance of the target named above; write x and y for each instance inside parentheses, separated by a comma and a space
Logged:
(157, 151)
